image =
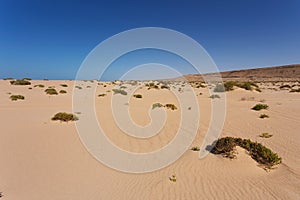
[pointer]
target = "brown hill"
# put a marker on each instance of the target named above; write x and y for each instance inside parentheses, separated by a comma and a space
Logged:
(278, 73)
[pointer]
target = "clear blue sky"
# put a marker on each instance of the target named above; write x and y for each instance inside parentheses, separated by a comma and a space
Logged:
(50, 39)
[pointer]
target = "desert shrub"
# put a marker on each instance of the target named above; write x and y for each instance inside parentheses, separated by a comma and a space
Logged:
(157, 105)
(229, 85)
(62, 91)
(265, 135)
(27, 79)
(78, 87)
(264, 116)
(164, 87)
(285, 86)
(123, 87)
(16, 97)
(64, 117)
(258, 90)
(195, 148)
(257, 151)
(101, 95)
(30, 88)
(219, 88)
(20, 82)
(214, 96)
(119, 91)
(245, 85)
(260, 107)
(51, 91)
(139, 96)
(39, 85)
(173, 178)
(6, 79)
(171, 106)
(63, 85)
(295, 90)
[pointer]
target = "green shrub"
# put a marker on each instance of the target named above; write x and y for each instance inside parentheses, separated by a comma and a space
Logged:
(20, 82)
(51, 91)
(262, 116)
(265, 135)
(139, 96)
(16, 97)
(257, 151)
(295, 90)
(64, 117)
(62, 91)
(214, 96)
(39, 85)
(229, 85)
(260, 107)
(171, 106)
(101, 95)
(245, 85)
(63, 85)
(219, 88)
(195, 148)
(157, 105)
(119, 91)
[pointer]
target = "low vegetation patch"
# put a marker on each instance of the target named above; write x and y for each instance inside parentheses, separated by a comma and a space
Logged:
(265, 135)
(119, 91)
(20, 82)
(39, 85)
(78, 87)
(62, 91)
(171, 106)
(214, 96)
(195, 148)
(229, 85)
(51, 91)
(64, 117)
(157, 105)
(173, 178)
(285, 86)
(262, 116)
(260, 107)
(63, 85)
(101, 95)
(139, 96)
(16, 97)
(295, 90)
(261, 154)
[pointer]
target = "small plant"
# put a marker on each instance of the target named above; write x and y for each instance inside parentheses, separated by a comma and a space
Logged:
(30, 88)
(63, 85)
(219, 88)
(214, 96)
(157, 105)
(16, 97)
(119, 91)
(6, 79)
(164, 87)
(257, 89)
(20, 82)
(139, 96)
(173, 178)
(39, 85)
(195, 148)
(262, 116)
(62, 91)
(285, 86)
(64, 117)
(78, 87)
(295, 90)
(260, 107)
(51, 91)
(101, 95)
(265, 135)
(171, 106)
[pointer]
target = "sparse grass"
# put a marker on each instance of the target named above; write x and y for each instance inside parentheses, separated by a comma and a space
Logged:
(261, 154)
(265, 135)
(16, 97)
(171, 106)
(119, 91)
(63, 85)
(295, 90)
(260, 107)
(139, 96)
(20, 82)
(39, 85)
(64, 117)
(195, 148)
(101, 95)
(214, 96)
(262, 116)
(51, 91)
(62, 91)
(157, 105)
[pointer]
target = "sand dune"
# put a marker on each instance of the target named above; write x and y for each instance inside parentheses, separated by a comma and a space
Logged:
(43, 159)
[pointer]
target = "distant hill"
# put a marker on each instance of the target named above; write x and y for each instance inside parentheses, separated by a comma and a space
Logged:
(277, 73)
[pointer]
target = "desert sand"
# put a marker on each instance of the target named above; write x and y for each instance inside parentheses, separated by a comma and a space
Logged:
(45, 159)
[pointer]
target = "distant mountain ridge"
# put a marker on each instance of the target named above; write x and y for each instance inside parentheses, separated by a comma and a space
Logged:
(276, 73)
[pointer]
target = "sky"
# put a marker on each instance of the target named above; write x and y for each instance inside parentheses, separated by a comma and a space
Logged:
(51, 39)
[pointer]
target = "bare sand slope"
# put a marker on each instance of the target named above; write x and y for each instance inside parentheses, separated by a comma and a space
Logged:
(42, 159)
